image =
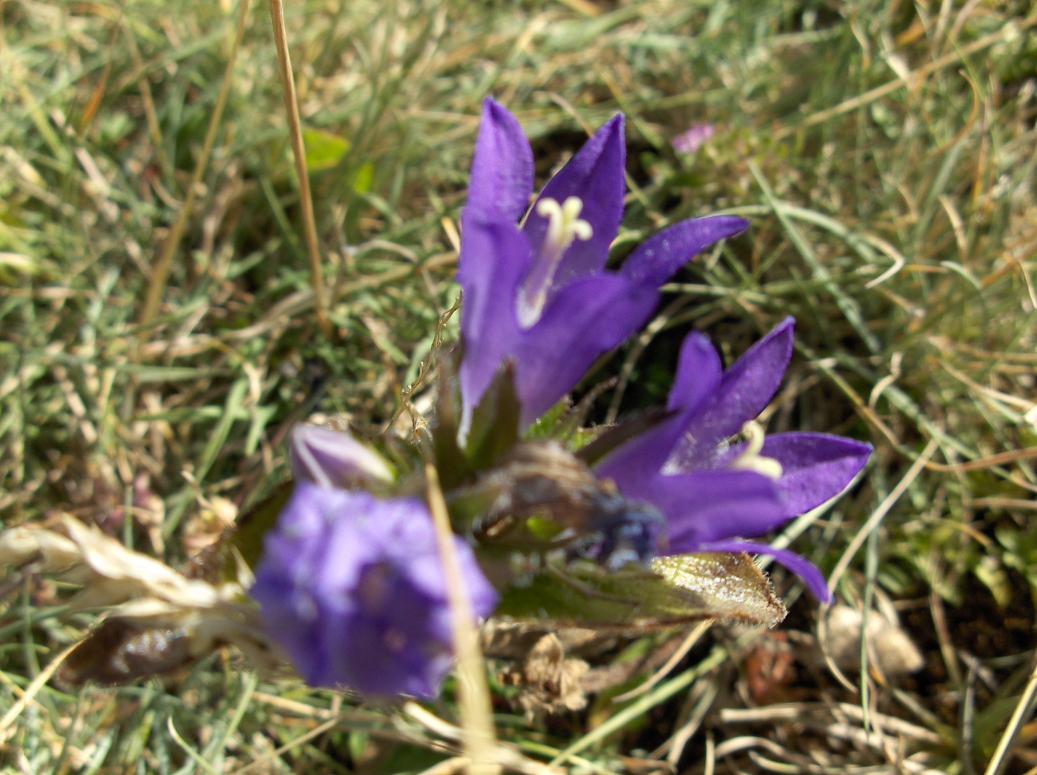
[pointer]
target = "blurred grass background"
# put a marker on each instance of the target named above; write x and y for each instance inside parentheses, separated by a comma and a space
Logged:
(885, 152)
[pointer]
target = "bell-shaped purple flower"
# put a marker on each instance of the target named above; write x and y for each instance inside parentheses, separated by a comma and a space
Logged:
(714, 492)
(536, 292)
(352, 588)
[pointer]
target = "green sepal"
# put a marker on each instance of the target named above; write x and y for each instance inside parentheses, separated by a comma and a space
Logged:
(675, 591)
(495, 421)
(452, 465)
(543, 529)
(467, 506)
(252, 526)
(568, 422)
(549, 424)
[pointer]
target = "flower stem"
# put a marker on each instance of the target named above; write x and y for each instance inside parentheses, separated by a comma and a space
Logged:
(291, 105)
(476, 709)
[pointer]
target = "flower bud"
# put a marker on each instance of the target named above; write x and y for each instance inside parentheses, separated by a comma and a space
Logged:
(334, 459)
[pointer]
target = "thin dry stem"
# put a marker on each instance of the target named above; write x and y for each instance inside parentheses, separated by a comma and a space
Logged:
(160, 276)
(309, 223)
(1022, 712)
(476, 708)
(30, 693)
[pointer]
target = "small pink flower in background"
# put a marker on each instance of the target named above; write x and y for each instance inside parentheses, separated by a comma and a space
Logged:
(694, 138)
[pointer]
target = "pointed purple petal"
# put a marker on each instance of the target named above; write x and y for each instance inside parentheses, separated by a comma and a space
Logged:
(699, 373)
(746, 388)
(641, 459)
(712, 506)
(595, 175)
(587, 319)
(816, 467)
(638, 462)
(803, 568)
(659, 257)
(502, 168)
(750, 384)
(494, 258)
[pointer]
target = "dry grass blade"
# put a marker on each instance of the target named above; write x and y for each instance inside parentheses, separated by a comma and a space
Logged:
(164, 264)
(33, 689)
(686, 645)
(503, 756)
(309, 222)
(1010, 32)
(880, 513)
(1023, 710)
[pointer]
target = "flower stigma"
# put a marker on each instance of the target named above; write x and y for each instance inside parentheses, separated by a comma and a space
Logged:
(751, 459)
(564, 227)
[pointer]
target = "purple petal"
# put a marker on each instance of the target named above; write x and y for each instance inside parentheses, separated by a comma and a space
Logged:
(494, 258)
(713, 505)
(699, 373)
(745, 389)
(595, 175)
(587, 319)
(642, 458)
(803, 568)
(815, 466)
(502, 168)
(426, 571)
(656, 260)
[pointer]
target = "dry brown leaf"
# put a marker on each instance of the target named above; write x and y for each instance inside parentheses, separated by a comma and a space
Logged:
(157, 618)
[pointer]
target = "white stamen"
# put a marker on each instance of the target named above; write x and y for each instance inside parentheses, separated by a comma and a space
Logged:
(564, 227)
(751, 459)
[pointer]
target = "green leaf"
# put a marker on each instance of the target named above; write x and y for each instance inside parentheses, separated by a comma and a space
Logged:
(992, 575)
(323, 149)
(677, 590)
(990, 725)
(363, 179)
(495, 422)
(358, 743)
(252, 527)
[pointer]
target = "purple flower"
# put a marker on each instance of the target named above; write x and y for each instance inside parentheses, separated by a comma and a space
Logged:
(536, 291)
(693, 138)
(714, 492)
(352, 588)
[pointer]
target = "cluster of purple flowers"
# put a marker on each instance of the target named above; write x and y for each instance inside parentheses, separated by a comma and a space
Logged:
(350, 583)
(538, 296)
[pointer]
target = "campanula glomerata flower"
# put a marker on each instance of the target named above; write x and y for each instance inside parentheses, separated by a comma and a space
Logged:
(352, 589)
(536, 291)
(715, 492)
